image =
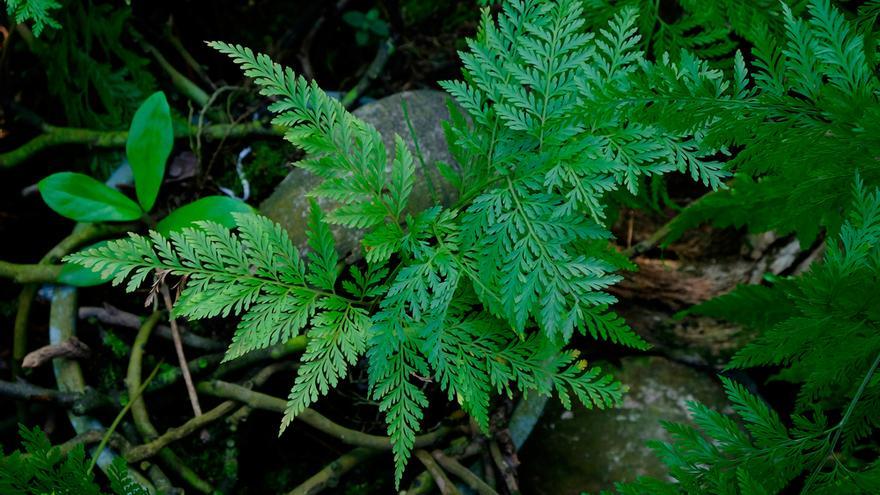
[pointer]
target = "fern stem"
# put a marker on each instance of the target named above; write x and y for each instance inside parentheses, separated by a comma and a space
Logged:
(429, 180)
(843, 421)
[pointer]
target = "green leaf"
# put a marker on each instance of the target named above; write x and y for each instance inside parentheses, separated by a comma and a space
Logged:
(82, 198)
(150, 139)
(79, 276)
(214, 208)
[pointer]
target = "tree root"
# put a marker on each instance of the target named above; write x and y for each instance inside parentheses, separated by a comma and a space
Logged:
(329, 476)
(444, 484)
(311, 417)
(463, 473)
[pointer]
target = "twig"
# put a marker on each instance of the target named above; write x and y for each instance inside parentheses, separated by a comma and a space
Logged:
(424, 483)
(118, 418)
(141, 417)
(115, 316)
(188, 58)
(79, 402)
(93, 436)
(310, 417)
(275, 352)
(29, 273)
(68, 373)
(465, 474)
(443, 482)
(19, 329)
(386, 48)
(200, 122)
(56, 136)
(329, 476)
(71, 348)
(507, 471)
(178, 347)
(648, 243)
(183, 84)
(153, 447)
(306, 46)
(82, 233)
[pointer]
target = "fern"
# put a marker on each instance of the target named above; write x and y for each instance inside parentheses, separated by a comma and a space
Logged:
(482, 296)
(810, 104)
(822, 333)
(38, 11)
(42, 468)
(91, 70)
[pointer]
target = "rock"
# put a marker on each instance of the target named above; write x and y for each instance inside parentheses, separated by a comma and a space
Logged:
(696, 340)
(589, 450)
(289, 205)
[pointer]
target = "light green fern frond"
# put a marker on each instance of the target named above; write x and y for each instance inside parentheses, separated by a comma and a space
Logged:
(347, 153)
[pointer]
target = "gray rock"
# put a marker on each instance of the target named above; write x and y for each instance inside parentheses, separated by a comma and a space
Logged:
(289, 205)
(588, 450)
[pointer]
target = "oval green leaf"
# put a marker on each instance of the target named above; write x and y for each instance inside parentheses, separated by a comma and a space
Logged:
(80, 276)
(214, 208)
(84, 199)
(150, 140)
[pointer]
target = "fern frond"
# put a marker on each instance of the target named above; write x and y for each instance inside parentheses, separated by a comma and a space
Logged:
(257, 274)
(337, 339)
(38, 11)
(347, 153)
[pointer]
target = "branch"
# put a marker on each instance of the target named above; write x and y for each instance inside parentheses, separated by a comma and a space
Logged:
(311, 417)
(386, 48)
(139, 413)
(465, 474)
(329, 476)
(79, 402)
(72, 348)
(82, 233)
(183, 84)
(649, 243)
(444, 484)
(29, 273)
(117, 441)
(56, 136)
(153, 447)
(115, 316)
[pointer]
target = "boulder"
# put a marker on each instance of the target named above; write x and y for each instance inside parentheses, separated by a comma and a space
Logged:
(289, 206)
(571, 452)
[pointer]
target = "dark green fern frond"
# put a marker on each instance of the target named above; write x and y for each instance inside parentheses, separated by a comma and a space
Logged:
(38, 11)
(814, 107)
(42, 468)
(821, 330)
